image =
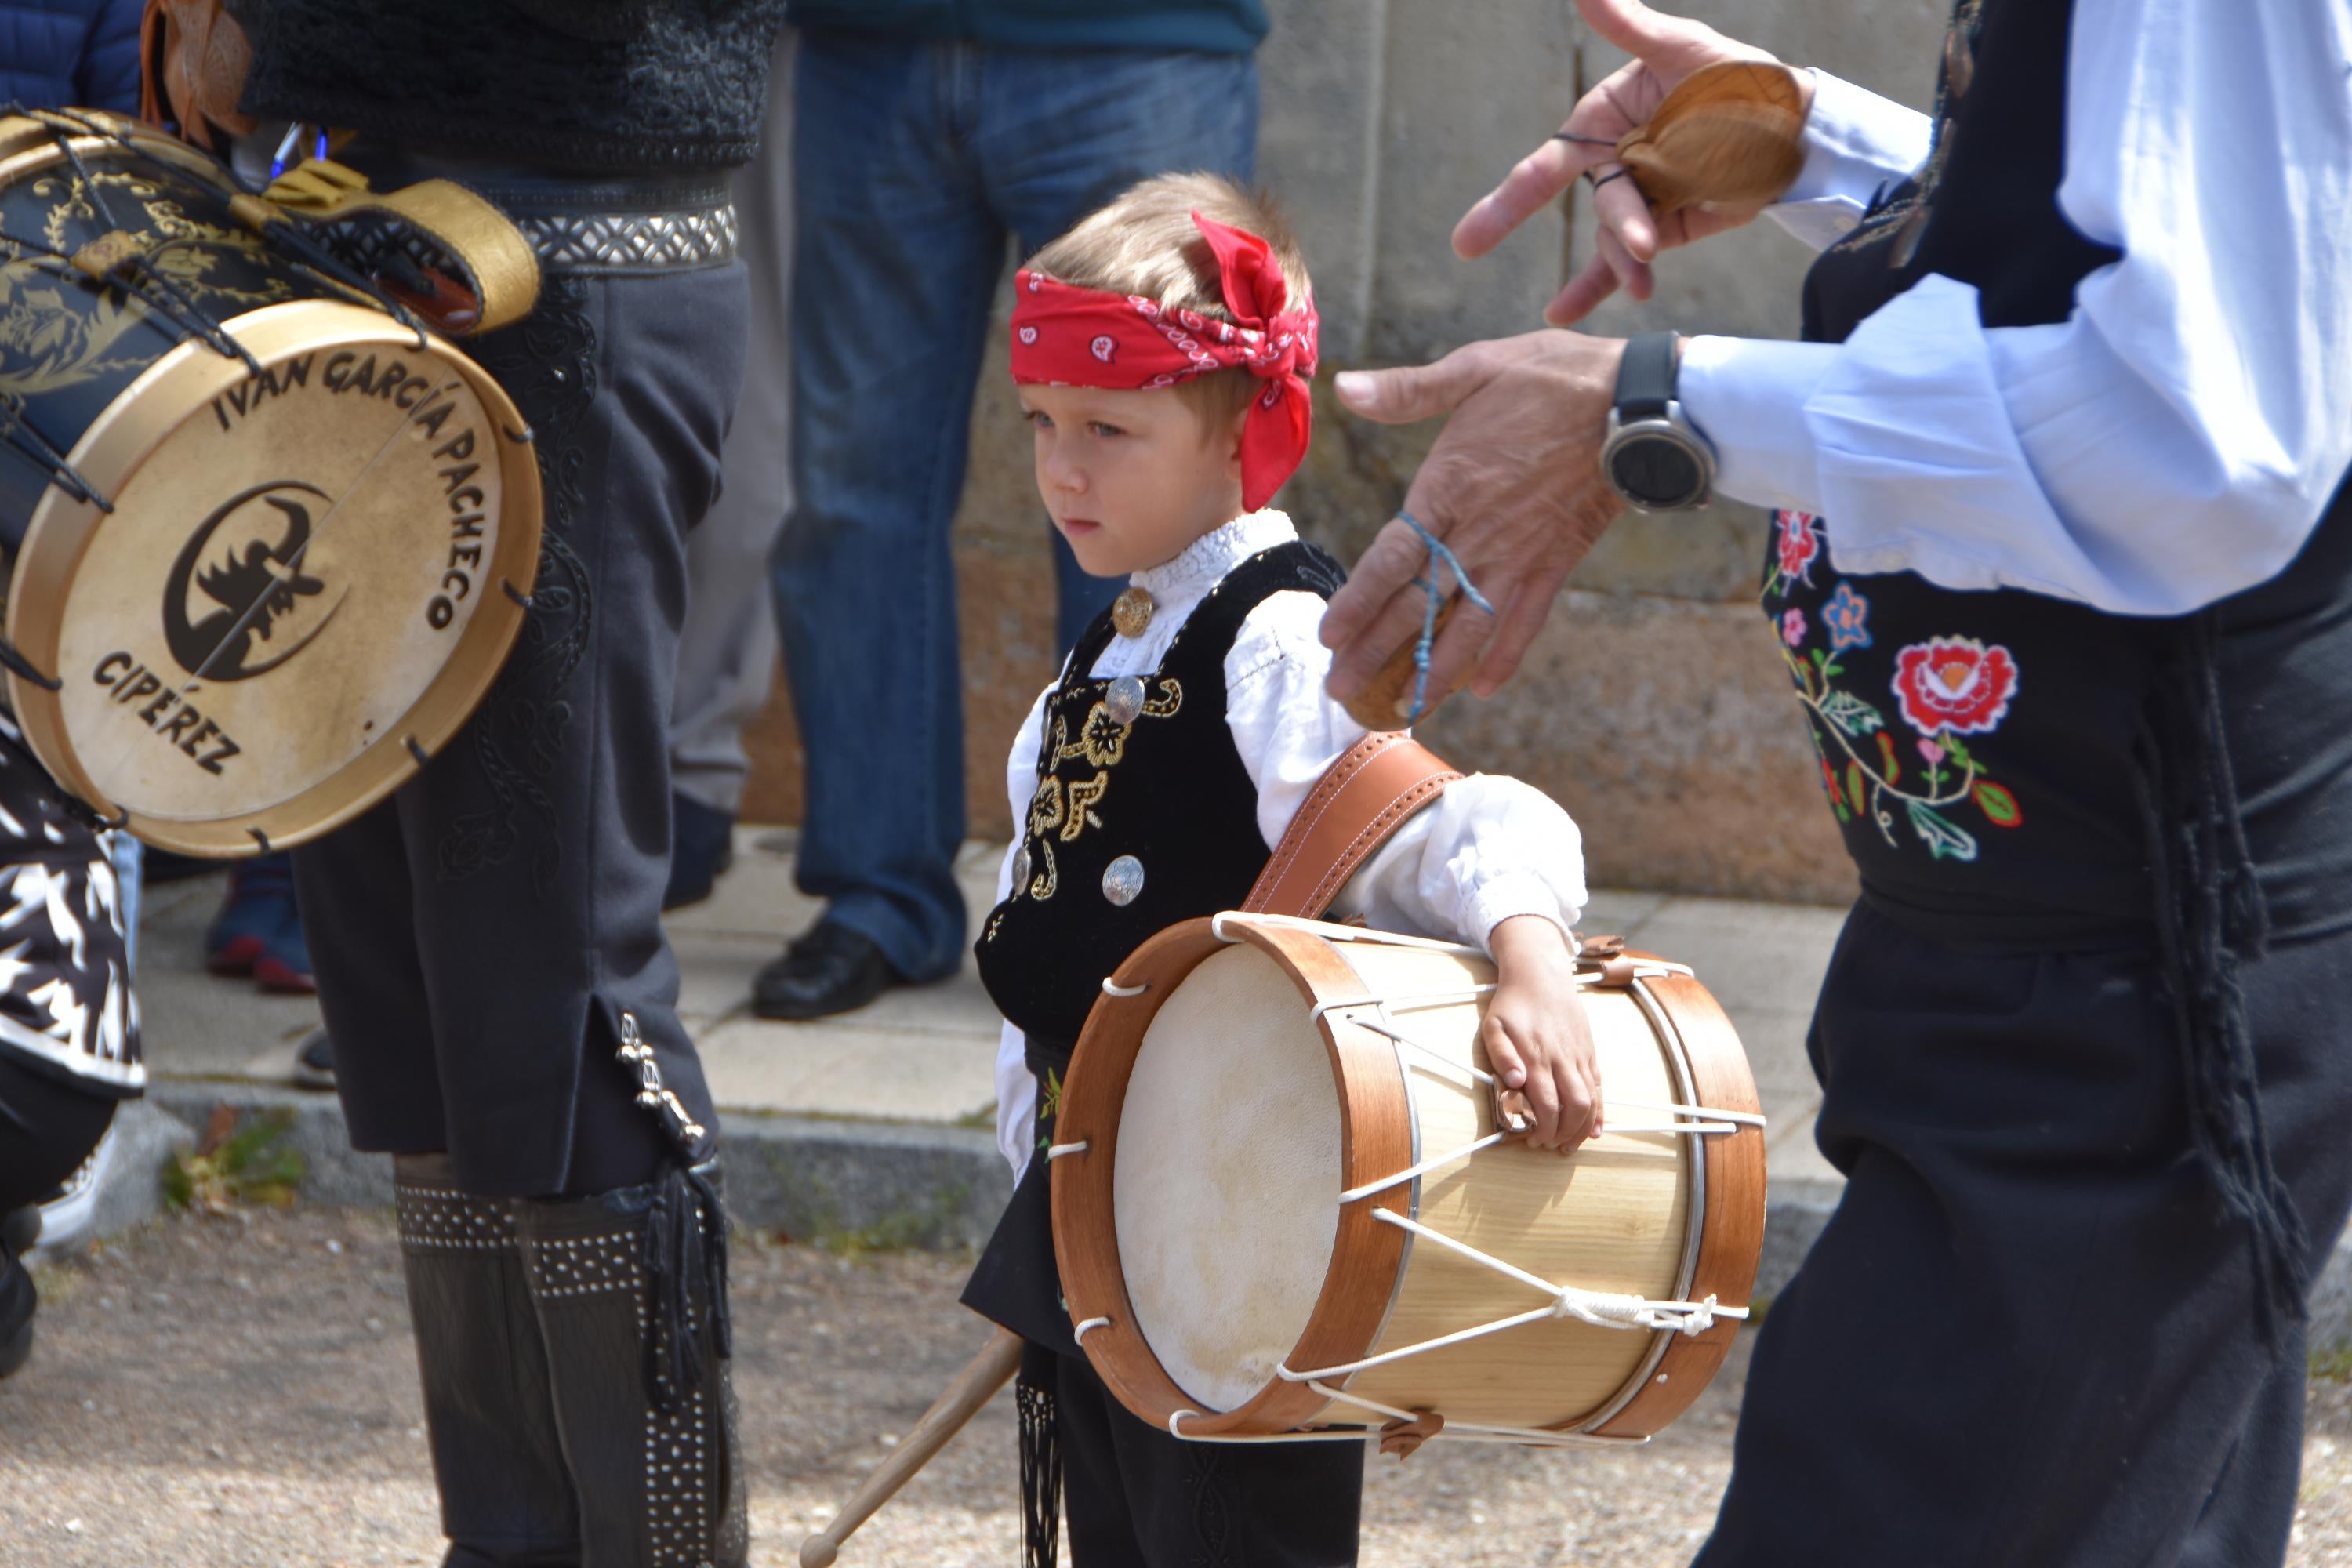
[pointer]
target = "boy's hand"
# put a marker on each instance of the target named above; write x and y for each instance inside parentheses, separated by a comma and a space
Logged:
(1537, 1036)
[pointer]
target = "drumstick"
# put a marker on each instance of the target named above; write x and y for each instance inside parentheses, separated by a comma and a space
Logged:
(973, 1388)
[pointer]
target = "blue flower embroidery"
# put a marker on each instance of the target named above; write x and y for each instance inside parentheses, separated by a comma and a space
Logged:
(1847, 616)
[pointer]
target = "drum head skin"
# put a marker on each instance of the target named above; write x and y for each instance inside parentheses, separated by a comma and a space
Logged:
(1240, 1073)
(308, 578)
(1227, 1176)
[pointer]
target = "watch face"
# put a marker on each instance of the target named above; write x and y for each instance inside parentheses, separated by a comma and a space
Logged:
(1657, 471)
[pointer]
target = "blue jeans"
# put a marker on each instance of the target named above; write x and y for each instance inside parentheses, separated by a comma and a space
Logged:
(912, 162)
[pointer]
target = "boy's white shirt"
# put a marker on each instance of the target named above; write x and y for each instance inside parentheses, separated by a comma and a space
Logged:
(1489, 848)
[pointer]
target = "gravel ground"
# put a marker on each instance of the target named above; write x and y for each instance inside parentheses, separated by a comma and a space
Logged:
(217, 1393)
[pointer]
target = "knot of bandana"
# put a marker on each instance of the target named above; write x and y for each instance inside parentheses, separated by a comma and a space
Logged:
(1067, 336)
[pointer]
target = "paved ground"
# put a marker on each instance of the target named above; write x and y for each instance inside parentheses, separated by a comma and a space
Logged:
(210, 1394)
(1764, 962)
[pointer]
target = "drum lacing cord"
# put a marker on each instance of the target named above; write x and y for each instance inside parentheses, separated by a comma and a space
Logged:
(2209, 912)
(289, 234)
(1601, 1308)
(1458, 1431)
(44, 453)
(182, 310)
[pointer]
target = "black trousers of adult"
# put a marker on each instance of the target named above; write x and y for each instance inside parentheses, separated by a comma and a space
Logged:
(2029, 1334)
(1135, 1497)
(47, 1128)
(479, 936)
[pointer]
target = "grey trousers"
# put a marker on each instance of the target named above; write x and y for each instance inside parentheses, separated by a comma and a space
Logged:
(486, 938)
(726, 655)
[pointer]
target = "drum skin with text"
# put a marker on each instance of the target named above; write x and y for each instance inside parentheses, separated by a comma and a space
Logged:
(266, 542)
(1289, 1202)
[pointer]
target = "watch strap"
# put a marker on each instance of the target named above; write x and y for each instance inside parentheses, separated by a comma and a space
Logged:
(1645, 376)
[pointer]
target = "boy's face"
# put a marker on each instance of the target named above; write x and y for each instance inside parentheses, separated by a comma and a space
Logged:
(1131, 477)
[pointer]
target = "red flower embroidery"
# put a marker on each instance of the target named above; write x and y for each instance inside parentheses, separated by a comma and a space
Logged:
(1955, 684)
(1799, 544)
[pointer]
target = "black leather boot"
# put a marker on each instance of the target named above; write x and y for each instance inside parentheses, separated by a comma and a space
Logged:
(506, 1500)
(631, 1287)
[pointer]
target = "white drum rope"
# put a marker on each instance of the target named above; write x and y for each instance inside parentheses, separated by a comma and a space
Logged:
(1111, 990)
(1079, 1332)
(1745, 1118)
(1330, 932)
(1476, 1431)
(1056, 1151)
(1717, 1123)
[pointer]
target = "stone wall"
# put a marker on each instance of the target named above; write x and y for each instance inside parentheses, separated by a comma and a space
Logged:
(1653, 705)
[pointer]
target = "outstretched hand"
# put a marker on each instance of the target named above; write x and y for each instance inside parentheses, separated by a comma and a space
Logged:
(1513, 486)
(1665, 49)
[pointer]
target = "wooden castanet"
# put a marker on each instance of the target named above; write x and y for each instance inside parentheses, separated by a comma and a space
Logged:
(1729, 135)
(974, 1387)
(1271, 1220)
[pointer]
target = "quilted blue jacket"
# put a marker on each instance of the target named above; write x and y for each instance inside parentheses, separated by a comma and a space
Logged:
(70, 53)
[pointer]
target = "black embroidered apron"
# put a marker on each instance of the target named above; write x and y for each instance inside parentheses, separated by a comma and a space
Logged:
(2080, 1044)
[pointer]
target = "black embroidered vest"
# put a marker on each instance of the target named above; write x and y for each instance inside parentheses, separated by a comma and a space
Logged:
(1143, 816)
(1999, 762)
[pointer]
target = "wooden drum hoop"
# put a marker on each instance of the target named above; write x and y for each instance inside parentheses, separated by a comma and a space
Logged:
(414, 697)
(1724, 1222)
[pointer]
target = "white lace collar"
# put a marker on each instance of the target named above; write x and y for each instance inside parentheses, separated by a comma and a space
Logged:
(1203, 563)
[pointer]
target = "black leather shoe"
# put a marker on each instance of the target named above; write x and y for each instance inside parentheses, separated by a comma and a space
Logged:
(20, 1232)
(833, 969)
(701, 847)
(314, 1061)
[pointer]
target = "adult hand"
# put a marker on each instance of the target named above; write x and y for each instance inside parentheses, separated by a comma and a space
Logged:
(1665, 49)
(1513, 486)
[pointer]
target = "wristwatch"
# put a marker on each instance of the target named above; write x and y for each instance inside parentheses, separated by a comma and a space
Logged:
(1654, 458)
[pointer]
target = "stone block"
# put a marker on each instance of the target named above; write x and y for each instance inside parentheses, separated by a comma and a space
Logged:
(898, 1186)
(1469, 89)
(1318, 149)
(1668, 730)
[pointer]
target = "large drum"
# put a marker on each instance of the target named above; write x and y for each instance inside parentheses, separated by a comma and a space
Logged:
(1288, 1202)
(271, 543)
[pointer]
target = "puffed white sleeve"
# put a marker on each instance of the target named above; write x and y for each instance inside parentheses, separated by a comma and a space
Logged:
(1016, 1091)
(1855, 143)
(2177, 437)
(1489, 848)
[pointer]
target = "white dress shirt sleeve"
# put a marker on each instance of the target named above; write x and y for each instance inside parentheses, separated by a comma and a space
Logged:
(1489, 848)
(2176, 437)
(1855, 143)
(1016, 1090)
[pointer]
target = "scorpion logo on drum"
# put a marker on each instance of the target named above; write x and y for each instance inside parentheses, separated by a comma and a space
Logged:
(256, 580)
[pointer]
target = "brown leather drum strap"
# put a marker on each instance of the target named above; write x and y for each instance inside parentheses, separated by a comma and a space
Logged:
(1354, 808)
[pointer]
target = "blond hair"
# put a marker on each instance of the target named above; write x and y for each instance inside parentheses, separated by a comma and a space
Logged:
(1144, 242)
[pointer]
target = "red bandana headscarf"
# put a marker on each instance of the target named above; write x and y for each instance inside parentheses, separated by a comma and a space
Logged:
(1067, 336)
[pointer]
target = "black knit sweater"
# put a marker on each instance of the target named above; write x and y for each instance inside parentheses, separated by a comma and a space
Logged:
(580, 84)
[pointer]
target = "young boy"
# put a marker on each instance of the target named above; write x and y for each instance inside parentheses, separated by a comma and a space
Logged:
(1161, 348)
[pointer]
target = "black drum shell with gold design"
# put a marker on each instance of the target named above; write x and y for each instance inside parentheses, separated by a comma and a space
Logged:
(309, 575)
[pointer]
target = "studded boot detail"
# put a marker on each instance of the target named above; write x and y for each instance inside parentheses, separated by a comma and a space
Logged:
(630, 1288)
(506, 1498)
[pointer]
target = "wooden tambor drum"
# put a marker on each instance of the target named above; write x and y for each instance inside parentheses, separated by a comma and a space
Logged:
(271, 543)
(1284, 1205)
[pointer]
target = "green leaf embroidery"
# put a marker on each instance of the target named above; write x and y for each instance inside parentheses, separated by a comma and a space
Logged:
(1851, 714)
(1854, 784)
(1887, 764)
(1943, 840)
(1957, 752)
(1999, 806)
